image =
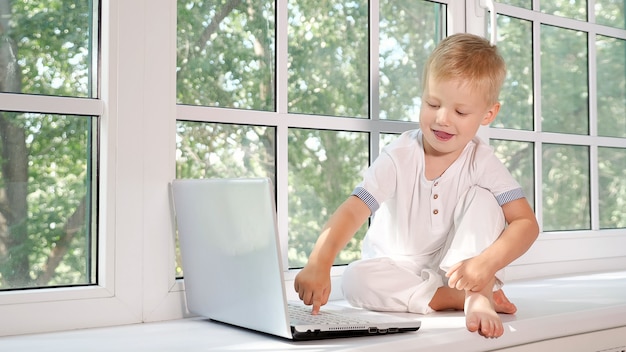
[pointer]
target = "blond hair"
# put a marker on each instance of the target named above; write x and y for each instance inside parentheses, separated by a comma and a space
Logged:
(469, 58)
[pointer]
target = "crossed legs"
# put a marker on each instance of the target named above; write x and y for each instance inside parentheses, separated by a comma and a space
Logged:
(480, 308)
(412, 285)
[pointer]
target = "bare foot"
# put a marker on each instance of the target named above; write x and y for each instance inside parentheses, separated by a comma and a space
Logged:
(450, 298)
(480, 314)
(502, 304)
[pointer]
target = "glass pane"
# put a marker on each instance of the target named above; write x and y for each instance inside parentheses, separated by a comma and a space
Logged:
(564, 81)
(328, 57)
(611, 85)
(386, 138)
(519, 158)
(206, 150)
(612, 169)
(324, 168)
(610, 13)
(576, 9)
(46, 47)
(565, 187)
(47, 197)
(405, 43)
(516, 96)
(226, 54)
(526, 4)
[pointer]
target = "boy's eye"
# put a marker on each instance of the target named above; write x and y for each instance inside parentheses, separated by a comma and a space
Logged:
(433, 105)
(461, 113)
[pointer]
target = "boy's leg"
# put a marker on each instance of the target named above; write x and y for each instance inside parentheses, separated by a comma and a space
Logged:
(385, 284)
(478, 222)
(389, 285)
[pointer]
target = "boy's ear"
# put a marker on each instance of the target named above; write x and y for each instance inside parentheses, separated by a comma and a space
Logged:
(491, 114)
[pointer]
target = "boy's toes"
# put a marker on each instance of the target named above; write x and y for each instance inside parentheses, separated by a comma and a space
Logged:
(499, 331)
(472, 324)
(491, 329)
(486, 329)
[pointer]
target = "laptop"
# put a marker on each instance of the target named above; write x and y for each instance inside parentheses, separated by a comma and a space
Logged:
(233, 268)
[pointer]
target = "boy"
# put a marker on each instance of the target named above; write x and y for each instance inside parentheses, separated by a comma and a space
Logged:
(443, 206)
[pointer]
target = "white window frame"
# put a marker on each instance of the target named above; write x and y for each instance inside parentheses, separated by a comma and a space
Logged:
(136, 278)
(564, 252)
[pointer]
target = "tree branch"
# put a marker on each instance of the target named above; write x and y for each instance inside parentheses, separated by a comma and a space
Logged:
(73, 225)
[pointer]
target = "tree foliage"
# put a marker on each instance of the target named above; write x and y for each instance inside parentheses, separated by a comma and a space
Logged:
(226, 57)
(565, 108)
(328, 75)
(46, 159)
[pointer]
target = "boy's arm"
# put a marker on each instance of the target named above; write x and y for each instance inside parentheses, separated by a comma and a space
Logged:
(313, 282)
(515, 240)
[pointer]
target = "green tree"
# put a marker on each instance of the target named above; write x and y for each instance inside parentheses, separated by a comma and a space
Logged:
(328, 68)
(45, 174)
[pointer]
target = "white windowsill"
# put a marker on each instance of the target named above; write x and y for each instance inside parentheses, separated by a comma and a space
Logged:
(547, 309)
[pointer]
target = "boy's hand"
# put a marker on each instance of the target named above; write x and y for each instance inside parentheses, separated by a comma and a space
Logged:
(471, 274)
(313, 287)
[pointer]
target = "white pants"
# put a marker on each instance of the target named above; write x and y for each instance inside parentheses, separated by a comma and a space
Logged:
(403, 285)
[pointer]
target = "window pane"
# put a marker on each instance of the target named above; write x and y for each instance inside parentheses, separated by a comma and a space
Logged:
(409, 31)
(386, 138)
(515, 45)
(206, 150)
(526, 4)
(226, 54)
(576, 9)
(611, 85)
(518, 157)
(47, 200)
(46, 47)
(328, 58)
(565, 187)
(611, 13)
(324, 168)
(564, 81)
(612, 169)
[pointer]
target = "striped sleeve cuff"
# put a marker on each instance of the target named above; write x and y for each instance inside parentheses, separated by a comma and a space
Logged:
(367, 198)
(510, 196)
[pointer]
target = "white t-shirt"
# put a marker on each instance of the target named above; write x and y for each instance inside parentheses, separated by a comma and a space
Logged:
(413, 215)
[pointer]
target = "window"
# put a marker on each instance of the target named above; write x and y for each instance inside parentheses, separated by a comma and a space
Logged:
(91, 74)
(301, 104)
(48, 179)
(313, 89)
(561, 127)
(146, 91)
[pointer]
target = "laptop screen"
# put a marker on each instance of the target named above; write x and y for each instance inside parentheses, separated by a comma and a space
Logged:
(231, 252)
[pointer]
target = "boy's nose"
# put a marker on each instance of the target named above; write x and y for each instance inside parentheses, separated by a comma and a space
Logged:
(442, 117)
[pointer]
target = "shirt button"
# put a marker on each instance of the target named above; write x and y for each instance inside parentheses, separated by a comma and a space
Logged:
(436, 184)
(435, 196)
(435, 211)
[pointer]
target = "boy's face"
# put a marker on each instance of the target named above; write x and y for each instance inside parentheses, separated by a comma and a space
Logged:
(451, 114)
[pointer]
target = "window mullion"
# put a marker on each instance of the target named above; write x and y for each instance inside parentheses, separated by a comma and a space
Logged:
(538, 150)
(594, 177)
(374, 76)
(282, 47)
(282, 127)
(46, 104)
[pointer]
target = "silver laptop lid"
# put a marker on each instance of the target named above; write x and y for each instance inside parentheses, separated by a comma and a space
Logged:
(230, 252)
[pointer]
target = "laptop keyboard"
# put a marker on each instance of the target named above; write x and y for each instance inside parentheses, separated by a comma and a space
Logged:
(302, 314)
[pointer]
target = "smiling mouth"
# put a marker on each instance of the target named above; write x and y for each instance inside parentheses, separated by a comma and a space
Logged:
(443, 136)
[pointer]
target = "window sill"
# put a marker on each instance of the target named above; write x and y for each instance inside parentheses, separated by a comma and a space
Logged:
(549, 310)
